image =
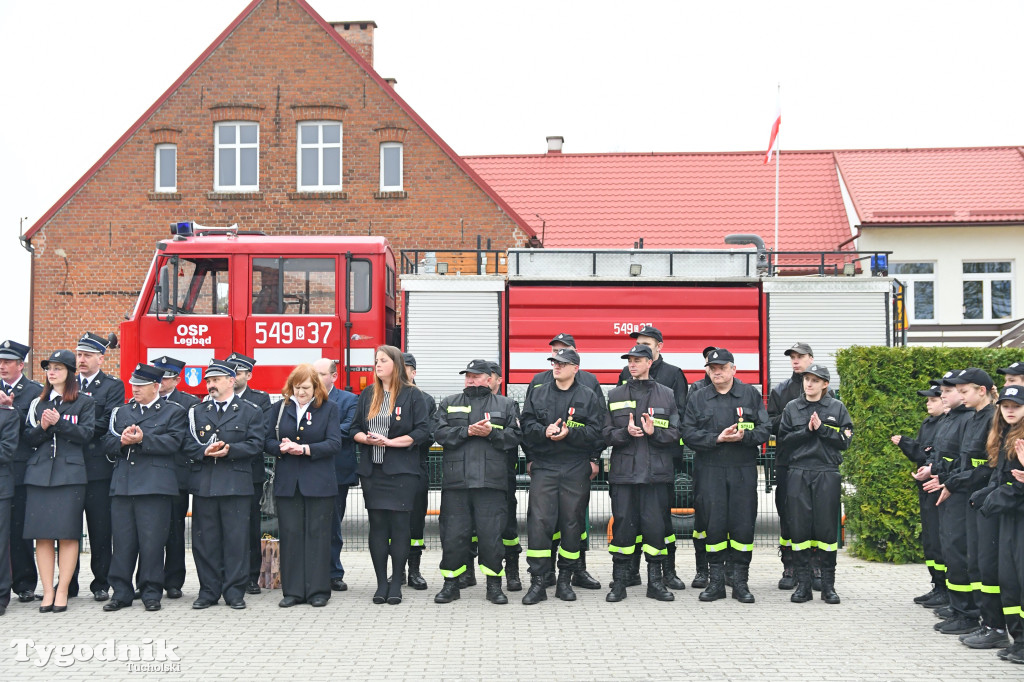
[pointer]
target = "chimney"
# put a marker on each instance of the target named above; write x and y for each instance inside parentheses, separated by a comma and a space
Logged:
(358, 34)
(391, 81)
(555, 144)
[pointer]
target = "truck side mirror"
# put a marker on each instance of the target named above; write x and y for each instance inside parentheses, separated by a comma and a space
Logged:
(162, 291)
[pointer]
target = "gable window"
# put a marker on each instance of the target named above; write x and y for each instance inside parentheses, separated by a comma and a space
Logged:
(236, 157)
(166, 168)
(918, 288)
(391, 162)
(988, 290)
(319, 156)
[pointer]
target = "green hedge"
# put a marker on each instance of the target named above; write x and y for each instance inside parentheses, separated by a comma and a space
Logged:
(879, 388)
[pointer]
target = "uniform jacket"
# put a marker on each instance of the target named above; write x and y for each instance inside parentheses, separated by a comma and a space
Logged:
(59, 457)
(1004, 494)
(945, 454)
(786, 391)
(107, 393)
(10, 436)
(476, 461)
(918, 449)
(414, 422)
(820, 449)
(261, 399)
(182, 465)
(23, 392)
(666, 375)
(644, 459)
(709, 412)
(425, 446)
(345, 459)
(974, 471)
(579, 408)
(146, 468)
(320, 428)
(242, 427)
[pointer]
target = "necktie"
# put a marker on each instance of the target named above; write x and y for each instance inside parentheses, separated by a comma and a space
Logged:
(220, 408)
(85, 384)
(142, 410)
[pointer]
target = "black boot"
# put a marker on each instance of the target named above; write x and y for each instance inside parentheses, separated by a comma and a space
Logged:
(655, 586)
(788, 579)
(828, 585)
(537, 591)
(549, 579)
(802, 592)
(716, 584)
(512, 581)
(740, 592)
(415, 580)
(700, 579)
(449, 592)
(634, 569)
(728, 573)
(672, 580)
(620, 573)
(815, 571)
(580, 576)
(563, 590)
(494, 593)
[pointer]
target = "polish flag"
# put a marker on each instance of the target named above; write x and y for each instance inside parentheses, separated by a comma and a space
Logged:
(773, 142)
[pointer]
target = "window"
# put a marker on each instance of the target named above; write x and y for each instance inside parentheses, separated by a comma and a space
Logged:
(236, 158)
(166, 168)
(192, 286)
(359, 286)
(391, 166)
(918, 288)
(293, 286)
(988, 290)
(319, 155)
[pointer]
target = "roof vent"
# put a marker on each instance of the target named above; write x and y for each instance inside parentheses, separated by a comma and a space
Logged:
(555, 144)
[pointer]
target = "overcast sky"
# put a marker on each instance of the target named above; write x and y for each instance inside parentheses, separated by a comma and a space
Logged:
(496, 78)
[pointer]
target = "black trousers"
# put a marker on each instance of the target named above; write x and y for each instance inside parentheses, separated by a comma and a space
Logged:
(700, 523)
(953, 535)
(984, 551)
(930, 540)
(728, 496)
(418, 518)
(462, 510)
(337, 541)
(23, 554)
(5, 553)
(97, 518)
(174, 563)
(220, 545)
(1011, 572)
(305, 545)
(139, 537)
(559, 495)
(510, 534)
(781, 491)
(812, 505)
(639, 510)
(255, 533)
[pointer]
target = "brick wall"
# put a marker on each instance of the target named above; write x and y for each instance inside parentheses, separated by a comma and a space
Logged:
(277, 67)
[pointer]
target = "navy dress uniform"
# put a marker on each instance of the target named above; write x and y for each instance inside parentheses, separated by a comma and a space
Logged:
(142, 487)
(221, 490)
(22, 392)
(10, 431)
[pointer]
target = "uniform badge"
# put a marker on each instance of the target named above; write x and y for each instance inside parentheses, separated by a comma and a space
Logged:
(398, 414)
(572, 411)
(487, 416)
(739, 414)
(309, 418)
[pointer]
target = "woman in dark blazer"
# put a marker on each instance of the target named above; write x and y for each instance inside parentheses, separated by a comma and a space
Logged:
(60, 423)
(304, 433)
(391, 421)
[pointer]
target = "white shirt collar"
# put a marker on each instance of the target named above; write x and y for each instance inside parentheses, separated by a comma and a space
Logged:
(82, 377)
(154, 402)
(53, 394)
(300, 409)
(15, 382)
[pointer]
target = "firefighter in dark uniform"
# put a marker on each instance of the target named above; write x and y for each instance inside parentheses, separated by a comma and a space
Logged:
(562, 422)
(174, 561)
(700, 524)
(673, 377)
(243, 373)
(643, 429)
(226, 434)
(476, 428)
(418, 518)
(581, 577)
(726, 424)
(18, 391)
(917, 451)
(10, 434)
(142, 439)
(107, 393)
(814, 431)
(510, 535)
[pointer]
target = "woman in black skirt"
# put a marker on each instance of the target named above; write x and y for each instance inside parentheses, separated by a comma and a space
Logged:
(60, 423)
(390, 422)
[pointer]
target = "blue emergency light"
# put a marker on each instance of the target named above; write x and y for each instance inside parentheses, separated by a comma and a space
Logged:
(182, 229)
(880, 265)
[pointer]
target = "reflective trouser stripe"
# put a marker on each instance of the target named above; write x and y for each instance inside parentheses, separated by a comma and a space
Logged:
(741, 547)
(474, 539)
(538, 553)
(784, 542)
(652, 551)
(718, 547)
(1013, 610)
(488, 572)
(828, 547)
(510, 543)
(416, 542)
(940, 567)
(583, 536)
(670, 539)
(639, 539)
(929, 563)
(990, 589)
(568, 555)
(454, 574)
(615, 549)
(556, 536)
(975, 586)
(700, 535)
(958, 588)
(800, 546)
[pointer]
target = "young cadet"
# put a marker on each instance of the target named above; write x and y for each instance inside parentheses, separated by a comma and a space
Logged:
(700, 524)
(418, 518)
(1013, 375)
(476, 428)
(726, 424)
(510, 535)
(917, 451)
(814, 431)
(562, 422)
(642, 427)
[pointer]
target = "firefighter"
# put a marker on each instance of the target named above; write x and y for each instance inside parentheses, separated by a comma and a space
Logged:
(726, 424)
(10, 434)
(226, 434)
(419, 506)
(672, 377)
(580, 577)
(700, 524)
(814, 430)
(562, 422)
(476, 428)
(510, 534)
(243, 373)
(142, 438)
(1012, 375)
(642, 427)
(917, 451)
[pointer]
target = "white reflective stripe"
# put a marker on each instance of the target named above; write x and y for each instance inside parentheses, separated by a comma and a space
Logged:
(362, 357)
(612, 361)
(193, 357)
(289, 357)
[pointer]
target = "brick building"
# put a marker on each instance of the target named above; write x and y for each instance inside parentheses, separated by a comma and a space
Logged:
(281, 125)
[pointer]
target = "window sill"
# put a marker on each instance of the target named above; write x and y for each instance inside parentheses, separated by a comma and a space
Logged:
(164, 196)
(235, 196)
(390, 195)
(298, 196)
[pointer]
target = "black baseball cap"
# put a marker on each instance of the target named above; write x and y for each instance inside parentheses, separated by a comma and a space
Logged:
(971, 375)
(639, 351)
(934, 389)
(708, 350)
(1015, 368)
(820, 371)
(409, 359)
(1014, 394)
(652, 332)
(565, 355)
(477, 367)
(799, 347)
(495, 367)
(563, 338)
(720, 356)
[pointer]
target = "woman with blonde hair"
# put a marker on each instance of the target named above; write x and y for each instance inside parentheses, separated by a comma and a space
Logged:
(391, 421)
(304, 434)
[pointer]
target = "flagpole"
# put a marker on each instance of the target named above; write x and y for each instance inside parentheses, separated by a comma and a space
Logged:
(778, 147)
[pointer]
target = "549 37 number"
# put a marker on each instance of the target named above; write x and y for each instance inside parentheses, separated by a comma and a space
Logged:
(285, 333)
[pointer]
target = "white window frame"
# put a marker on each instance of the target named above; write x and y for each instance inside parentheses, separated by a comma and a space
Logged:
(238, 145)
(909, 282)
(319, 146)
(401, 166)
(986, 278)
(156, 173)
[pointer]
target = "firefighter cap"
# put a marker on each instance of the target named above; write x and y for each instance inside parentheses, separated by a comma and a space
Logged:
(63, 357)
(241, 361)
(409, 359)
(720, 356)
(146, 374)
(495, 367)
(92, 343)
(565, 355)
(707, 350)
(220, 368)
(639, 351)
(1014, 394)
(1015, 368)
(650, 331)
(563, 338)
(820, 371)
(477, 367)
(12, 350)
(171, 366)
(934, 389)
(971, 375)
(799, 347)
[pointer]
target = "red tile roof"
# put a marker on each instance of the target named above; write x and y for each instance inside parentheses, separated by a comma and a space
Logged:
(922, 186)
(684, 200)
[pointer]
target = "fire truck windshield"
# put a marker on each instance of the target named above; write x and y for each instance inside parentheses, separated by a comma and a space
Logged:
(201, 285)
